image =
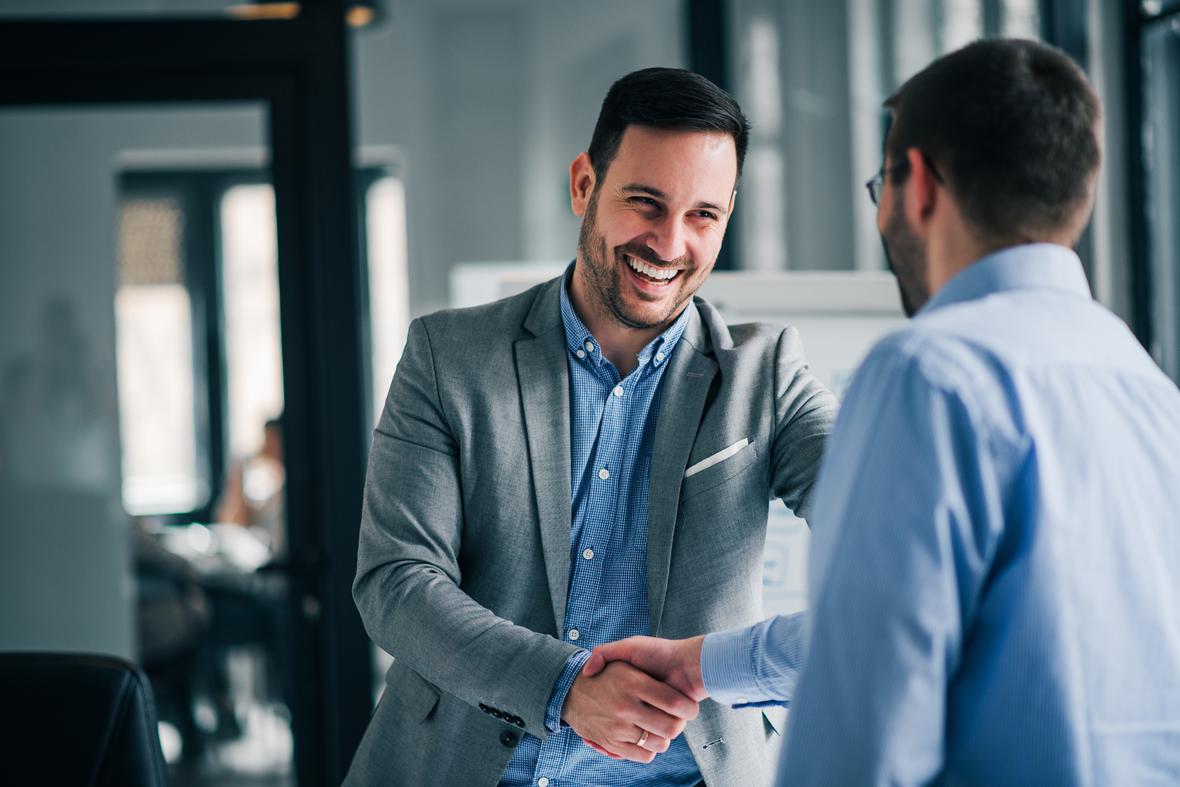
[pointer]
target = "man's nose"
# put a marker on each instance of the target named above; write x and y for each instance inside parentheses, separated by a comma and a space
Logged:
(668, 240)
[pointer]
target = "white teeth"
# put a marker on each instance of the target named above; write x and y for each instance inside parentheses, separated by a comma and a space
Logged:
(648, 270)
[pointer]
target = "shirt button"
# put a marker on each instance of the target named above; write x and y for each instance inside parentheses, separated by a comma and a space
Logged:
(589, 346)
(574, 634)
(588, 554)
(618, 390)
(659, 356)
(581, 354)
(604, 474)
(542, 782)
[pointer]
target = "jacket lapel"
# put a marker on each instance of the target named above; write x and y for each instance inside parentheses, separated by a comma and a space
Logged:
(544, 389)
(685, 389)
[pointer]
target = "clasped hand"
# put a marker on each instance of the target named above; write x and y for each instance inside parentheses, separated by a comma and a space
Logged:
(635, 696)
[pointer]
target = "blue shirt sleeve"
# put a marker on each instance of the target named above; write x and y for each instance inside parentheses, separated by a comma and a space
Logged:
(754, 666)
(561, 689)
(907, 519)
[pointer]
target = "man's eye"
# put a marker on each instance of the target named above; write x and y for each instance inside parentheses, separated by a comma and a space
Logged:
(707, 214)
(646, 202)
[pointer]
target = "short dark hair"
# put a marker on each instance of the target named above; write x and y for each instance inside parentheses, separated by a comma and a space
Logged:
(671, 99)
(1012, 126)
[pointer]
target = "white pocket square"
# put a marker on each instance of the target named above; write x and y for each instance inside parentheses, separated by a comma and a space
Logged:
(716, 458)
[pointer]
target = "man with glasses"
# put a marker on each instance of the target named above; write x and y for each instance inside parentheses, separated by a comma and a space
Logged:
(996, 532)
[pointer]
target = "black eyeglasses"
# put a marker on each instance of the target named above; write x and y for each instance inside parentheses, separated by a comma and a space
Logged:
(877, 182)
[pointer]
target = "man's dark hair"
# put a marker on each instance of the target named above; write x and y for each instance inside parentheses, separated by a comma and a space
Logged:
(671, 99)
(1012, 127)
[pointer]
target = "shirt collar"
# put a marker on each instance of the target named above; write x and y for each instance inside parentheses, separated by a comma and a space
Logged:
(582, 344)
(1034, 266)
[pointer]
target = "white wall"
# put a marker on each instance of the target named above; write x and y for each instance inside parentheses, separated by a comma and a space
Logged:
(488, 102)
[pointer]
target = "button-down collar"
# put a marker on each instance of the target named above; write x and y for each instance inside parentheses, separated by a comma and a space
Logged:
(584, 346)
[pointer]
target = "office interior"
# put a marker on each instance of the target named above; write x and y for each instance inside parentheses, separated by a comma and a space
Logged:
(219, 217)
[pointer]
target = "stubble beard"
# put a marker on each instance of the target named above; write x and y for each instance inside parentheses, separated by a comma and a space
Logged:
(905, 254)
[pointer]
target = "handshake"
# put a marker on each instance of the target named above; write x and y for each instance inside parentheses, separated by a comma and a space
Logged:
(634, 696)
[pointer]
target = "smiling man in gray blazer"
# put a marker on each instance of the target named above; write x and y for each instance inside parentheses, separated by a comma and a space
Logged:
(589, 460)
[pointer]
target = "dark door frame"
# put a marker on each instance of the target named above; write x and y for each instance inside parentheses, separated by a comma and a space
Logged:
(299, 71)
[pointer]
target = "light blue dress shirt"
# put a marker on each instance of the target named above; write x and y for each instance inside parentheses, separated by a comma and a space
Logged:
(612, 431)
(995, 567)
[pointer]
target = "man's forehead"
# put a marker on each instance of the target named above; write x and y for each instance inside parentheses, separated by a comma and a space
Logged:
(653, 156)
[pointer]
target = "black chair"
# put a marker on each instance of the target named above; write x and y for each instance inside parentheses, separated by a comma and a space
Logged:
(77, 719)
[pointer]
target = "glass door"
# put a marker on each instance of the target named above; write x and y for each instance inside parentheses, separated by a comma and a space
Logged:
(141, 452)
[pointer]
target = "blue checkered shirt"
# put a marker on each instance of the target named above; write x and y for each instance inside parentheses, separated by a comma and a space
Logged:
(612, 429)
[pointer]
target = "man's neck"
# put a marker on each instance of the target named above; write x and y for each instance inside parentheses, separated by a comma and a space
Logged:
(620, 343)
(950, 250)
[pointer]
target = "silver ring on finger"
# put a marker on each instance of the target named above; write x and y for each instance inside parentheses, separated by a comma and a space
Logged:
(642, 738)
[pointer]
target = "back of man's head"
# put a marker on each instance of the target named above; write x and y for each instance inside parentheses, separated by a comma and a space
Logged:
(1012, 126)
(670, 99)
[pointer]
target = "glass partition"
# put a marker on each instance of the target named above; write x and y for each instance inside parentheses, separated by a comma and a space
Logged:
(131, 524)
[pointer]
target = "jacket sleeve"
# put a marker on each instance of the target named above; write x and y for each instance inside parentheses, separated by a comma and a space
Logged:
(407, 586)
(805, 414)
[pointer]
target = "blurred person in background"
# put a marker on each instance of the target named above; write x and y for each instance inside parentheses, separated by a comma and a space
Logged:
(253, 492)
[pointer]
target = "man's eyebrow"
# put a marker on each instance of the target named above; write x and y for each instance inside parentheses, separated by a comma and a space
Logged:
(646, 189)
(643, 188)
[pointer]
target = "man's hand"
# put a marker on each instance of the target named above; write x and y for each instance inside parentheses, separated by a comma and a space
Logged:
(677, 662)
(620, 706)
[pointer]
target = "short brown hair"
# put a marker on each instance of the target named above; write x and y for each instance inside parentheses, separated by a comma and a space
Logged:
(1012, 126)
(671, 99)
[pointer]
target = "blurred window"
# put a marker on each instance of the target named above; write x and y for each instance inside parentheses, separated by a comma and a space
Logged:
(811, 78)
(1161, 134)
(199, 259)
(153, 313)
(250, 298)
(383, 218)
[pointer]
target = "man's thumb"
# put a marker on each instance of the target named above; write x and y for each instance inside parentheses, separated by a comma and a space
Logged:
(594, 665)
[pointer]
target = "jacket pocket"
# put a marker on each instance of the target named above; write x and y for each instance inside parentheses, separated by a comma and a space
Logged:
(718, 473)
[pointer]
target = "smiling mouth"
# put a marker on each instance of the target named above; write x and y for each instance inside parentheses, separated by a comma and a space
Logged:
(651, 272)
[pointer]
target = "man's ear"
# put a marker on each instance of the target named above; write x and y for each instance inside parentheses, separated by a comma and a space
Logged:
(582, 181)
(924, 188)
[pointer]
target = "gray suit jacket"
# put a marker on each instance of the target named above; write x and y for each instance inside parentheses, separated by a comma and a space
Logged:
(465, 537)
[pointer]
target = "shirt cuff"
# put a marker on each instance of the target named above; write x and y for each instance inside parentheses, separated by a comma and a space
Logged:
(561, 689)
(727, 668)
(755, 666)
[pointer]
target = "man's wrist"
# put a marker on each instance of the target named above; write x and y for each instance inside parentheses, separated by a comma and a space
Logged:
(561, 689)
(693, 671)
